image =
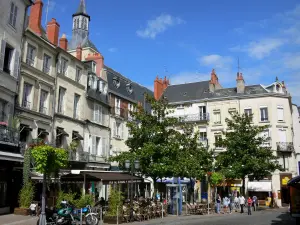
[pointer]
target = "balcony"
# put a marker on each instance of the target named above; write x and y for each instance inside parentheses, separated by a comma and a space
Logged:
(9, 140)
(26, 104)
(285, 147)
(199, 117)
(120, 112)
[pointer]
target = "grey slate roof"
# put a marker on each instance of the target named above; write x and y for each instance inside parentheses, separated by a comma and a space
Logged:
(200, 90)
(137, 94)
(81, 9)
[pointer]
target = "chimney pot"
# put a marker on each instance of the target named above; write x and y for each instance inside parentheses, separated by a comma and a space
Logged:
(63, 42)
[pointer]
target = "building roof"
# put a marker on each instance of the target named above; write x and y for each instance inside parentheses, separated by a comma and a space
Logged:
(200, 90)
(81, 9)
(124, 87)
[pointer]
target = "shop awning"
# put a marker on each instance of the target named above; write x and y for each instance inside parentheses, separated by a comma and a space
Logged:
(107, 177)
(24, 127)
(260, 186)
(61, 131)
(11, 156)
(77, 136)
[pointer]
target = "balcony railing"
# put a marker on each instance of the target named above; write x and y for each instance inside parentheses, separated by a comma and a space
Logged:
(29, 61)
(9, 135)
(285, 146)
(43, 110)
(193, 117)
(26, 104)
(96, 158)
(78, 156)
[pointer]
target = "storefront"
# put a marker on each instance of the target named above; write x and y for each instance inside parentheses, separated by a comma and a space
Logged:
(261, 189)
(233, 187)
(284, 193)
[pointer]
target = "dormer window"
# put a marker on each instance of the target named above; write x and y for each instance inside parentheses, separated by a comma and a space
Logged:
(93, 67)
(129, 88)
(116, 82)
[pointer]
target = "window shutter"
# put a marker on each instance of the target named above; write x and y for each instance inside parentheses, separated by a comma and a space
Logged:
(122, 130)
(114, 128)
(86, 142)
(103, 153)
(16, 65)
(2, 54)
(99, 147)
(100, 114)
(15, 15)
(94, 150)
(59, 66)
(280, 114)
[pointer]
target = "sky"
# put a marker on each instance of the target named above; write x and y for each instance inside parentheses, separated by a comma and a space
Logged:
(185, 40)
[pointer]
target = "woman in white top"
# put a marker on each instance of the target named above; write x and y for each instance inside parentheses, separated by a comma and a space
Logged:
(242, 203)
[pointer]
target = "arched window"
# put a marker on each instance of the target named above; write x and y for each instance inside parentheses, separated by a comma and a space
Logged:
(84, 24)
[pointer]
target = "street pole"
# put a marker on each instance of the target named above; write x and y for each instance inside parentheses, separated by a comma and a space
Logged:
(131, 198)
(43, 214)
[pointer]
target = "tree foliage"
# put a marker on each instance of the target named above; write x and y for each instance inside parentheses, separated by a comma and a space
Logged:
(26, 195)
(162, 150)
(216, 178)
(247, 152)
(49, 160)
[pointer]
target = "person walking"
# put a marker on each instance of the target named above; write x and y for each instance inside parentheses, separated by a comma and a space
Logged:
(242, 203)
(225, 204)
(236, 203)
(254, 199)
(231, 199)
(218, 201)
(249, 202)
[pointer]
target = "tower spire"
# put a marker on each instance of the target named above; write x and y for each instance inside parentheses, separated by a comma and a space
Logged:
(82, 8)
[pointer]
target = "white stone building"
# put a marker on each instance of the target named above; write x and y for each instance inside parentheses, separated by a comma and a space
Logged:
(296, 135)
(207, 104)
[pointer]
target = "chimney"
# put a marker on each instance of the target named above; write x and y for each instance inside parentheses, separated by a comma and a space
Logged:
(240, 83)
(214, 81)
(159, 86)
(63, 42)
(79, 52)
(36, 16)
(53, 31)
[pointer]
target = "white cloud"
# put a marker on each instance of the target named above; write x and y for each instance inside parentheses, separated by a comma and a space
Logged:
(216, 61)
(260, 49)
(51, 6)
(112, 50)
(158, 25)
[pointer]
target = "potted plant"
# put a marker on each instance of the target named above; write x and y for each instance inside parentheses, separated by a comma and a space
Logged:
(25, 199)
(115, 203)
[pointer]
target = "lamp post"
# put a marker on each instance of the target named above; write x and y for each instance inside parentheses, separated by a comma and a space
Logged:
(132, 168)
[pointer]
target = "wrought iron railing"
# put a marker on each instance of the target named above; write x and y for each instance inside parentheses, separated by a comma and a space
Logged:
(285, 146)
(96, 158)
(78, 156)
(193, 117)
(26, 104)
(43, 110)
(9, 135)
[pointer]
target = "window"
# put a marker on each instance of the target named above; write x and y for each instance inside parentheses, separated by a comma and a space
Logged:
(117, 106)
(202, 111)
(13, 14)
(43, 102)
(78, 74)
(77, 23)
(203, 136)
(280, 114)
(76, 103)
(217, 117)
(3, 106)
(97, 113)
(93, 67)
(26, 95)
(63, 67)
(266, 135)
(7, 57)
(118, 130)
(116, 82)
(129, 88)
(218, 138)
(43, 134)
(95, 82)
(248, 112)
(61, 96)
(46, 64)
(264, 114)
(130, 109)
(30, 55)
(96, 145)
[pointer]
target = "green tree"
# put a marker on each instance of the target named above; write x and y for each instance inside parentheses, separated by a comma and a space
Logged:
(247, 153)
(152, 140)
(48, 160)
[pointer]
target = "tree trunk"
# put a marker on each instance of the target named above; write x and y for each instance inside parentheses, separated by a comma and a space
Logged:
(43, 215)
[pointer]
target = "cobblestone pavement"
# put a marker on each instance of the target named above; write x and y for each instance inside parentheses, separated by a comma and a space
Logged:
(264, 217)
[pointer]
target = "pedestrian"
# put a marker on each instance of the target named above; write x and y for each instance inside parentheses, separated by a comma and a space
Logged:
(225, 204)
(236, 203)
(249, 201)
(230, 203)
(254, 199)
(218, 201)
(242, 203)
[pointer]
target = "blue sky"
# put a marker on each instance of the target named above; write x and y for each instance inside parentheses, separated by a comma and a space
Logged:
(184, 40)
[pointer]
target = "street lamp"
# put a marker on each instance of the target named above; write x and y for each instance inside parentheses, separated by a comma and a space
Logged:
(129, 166)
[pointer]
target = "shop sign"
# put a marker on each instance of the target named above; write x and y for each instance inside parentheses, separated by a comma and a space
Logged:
(285, 180)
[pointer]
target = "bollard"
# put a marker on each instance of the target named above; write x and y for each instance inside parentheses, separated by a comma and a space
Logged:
(101, 219)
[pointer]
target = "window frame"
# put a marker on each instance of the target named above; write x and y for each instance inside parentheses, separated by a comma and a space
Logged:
(266, 112)
(216, 113)
(46, 63)
(78, 74)
(13, 13)
(279, 107)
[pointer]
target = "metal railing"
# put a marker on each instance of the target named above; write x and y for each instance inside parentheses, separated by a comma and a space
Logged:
(9, 135)
(96, 158)
(78, 156)
(193, 117)
(46, 69)
(29, 61)
(43, 110)
(285, 146)
(26, 104)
